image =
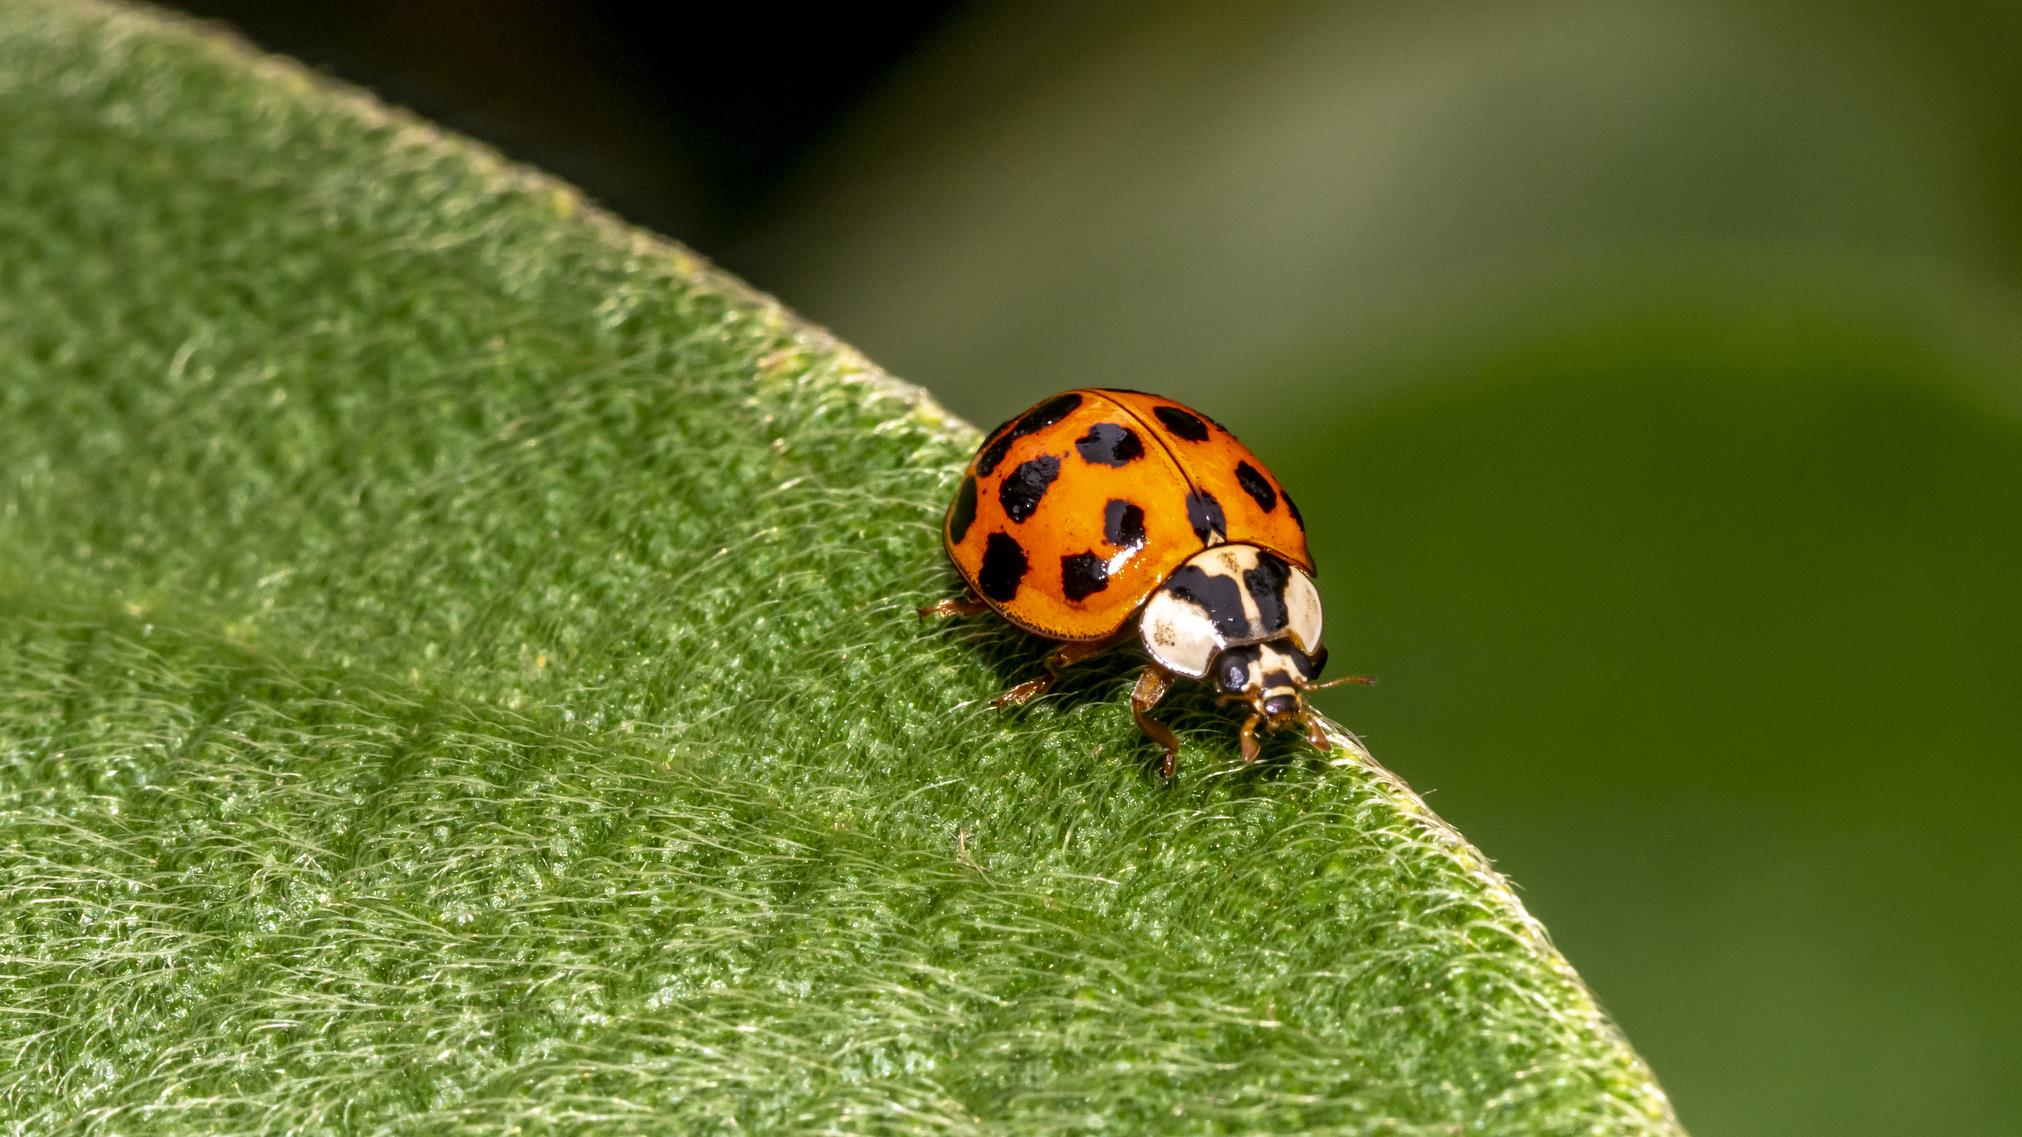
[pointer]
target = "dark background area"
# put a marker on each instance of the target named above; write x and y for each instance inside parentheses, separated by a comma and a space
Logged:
(1649, 375)
(685, 122)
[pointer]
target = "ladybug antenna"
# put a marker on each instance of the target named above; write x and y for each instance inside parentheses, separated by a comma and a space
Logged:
(1358, 680)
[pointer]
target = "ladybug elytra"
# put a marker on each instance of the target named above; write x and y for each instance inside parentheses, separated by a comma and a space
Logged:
(1099, 513)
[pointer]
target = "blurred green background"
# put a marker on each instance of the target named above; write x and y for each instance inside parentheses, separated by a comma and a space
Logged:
(1650, 375)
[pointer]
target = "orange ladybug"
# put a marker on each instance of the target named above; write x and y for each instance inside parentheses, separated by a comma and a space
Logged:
(1099, 513)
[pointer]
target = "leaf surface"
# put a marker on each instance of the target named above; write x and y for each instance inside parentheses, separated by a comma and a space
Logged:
(458, 673)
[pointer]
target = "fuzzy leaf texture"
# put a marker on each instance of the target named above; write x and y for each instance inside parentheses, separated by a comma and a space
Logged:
(458, 675)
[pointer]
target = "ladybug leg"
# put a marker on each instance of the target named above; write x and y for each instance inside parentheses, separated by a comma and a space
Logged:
(1317, 737)
(967, 604)
(1247, 741)
(1151, 687)
(1063, 657)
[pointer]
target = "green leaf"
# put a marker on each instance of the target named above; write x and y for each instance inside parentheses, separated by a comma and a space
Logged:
(458, 674)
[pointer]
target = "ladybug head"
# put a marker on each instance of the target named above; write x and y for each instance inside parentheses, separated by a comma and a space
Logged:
(1242, 618)
(1281, 708)
(1272, 678)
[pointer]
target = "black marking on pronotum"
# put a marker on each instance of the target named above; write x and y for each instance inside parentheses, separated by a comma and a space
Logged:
(1204, 513)
(964, 513)
(1232, 668)
(1257, 486)
(1004, 567)
(1082, 575)
(1021, 489)
(1182, 423)
(1266, 584)
(1038, 418)
(1294, 508)
(1123, 524)
(1110, 444)
(1218, 596)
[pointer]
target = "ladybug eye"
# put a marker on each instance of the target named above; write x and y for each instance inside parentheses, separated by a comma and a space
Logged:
(1235, 675)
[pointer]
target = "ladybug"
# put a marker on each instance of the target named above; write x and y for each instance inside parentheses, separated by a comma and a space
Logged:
(1099, 514)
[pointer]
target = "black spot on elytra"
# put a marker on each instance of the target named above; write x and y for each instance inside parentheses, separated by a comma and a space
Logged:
(1082, 575)
(964, 513)
(1004, 567)
(1218, 596)
(1232, 668)
(1204, 513)
(1123, 524)
(1266, 584)
(993, 454)
(1021, 489)
(1110, 444)
(1182, 423)
(1293, 506)
(1038, 418)
(1257, 486)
